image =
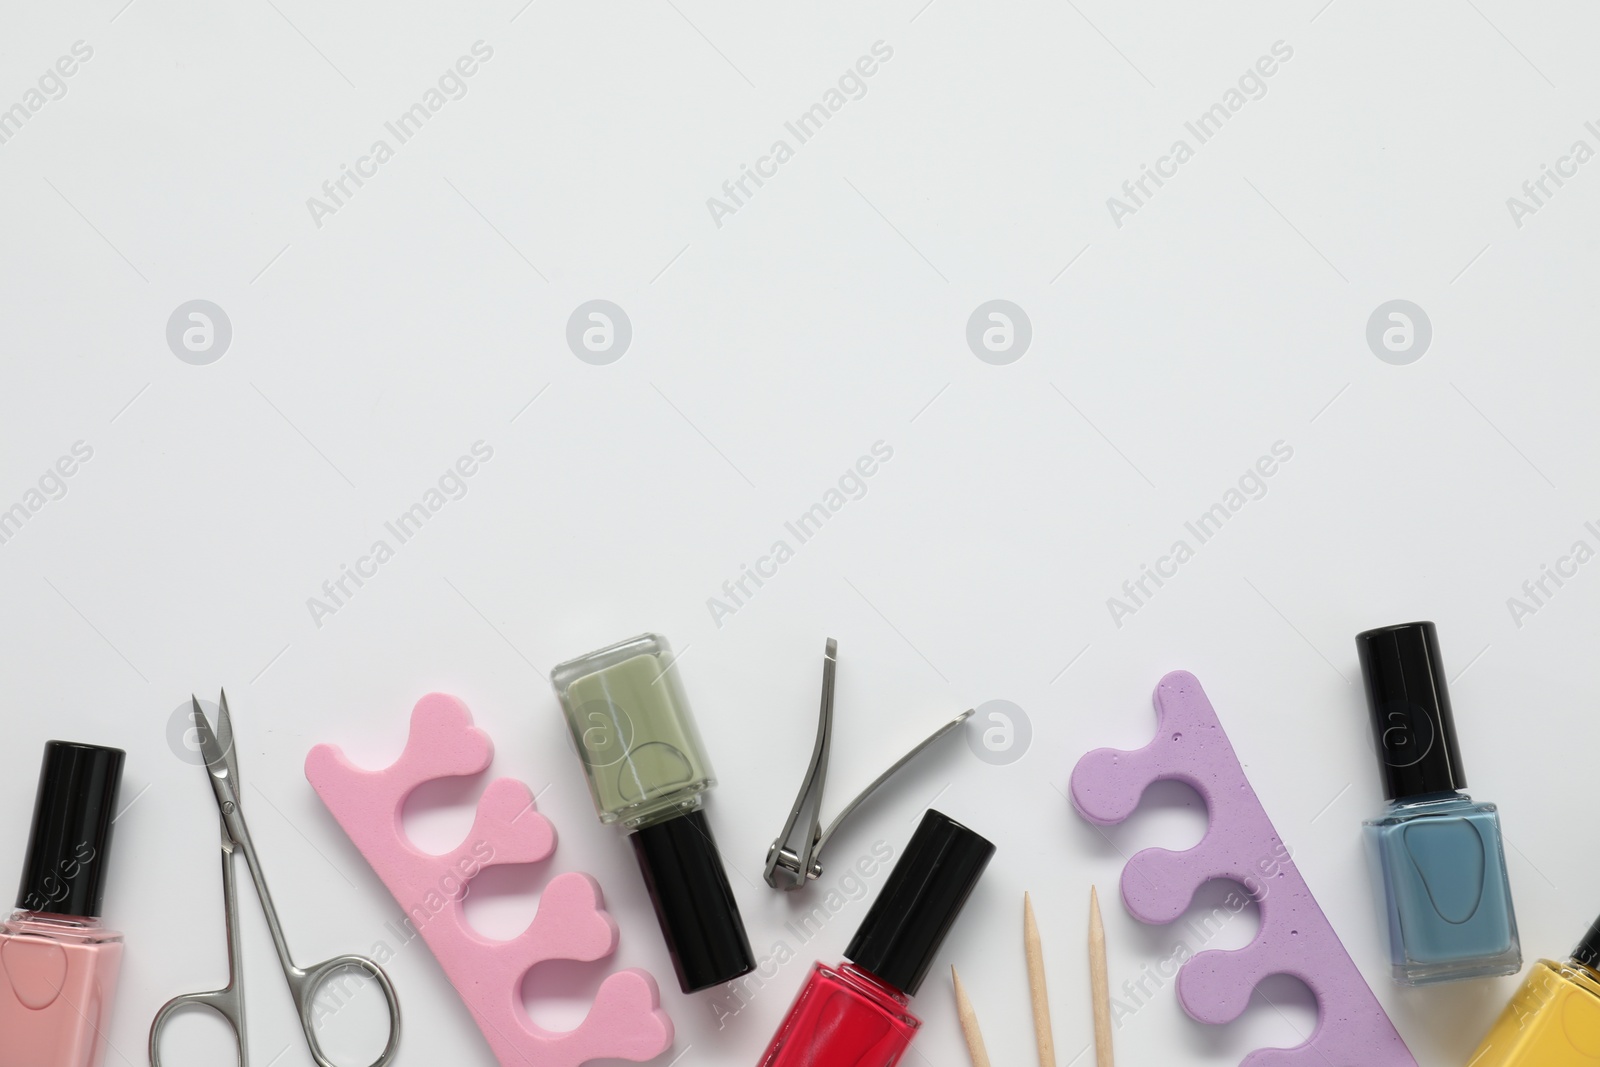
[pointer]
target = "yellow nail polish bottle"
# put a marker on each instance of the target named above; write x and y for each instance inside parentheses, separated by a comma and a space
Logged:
(1554, 1020)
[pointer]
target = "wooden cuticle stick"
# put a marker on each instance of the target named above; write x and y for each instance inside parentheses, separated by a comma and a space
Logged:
(969, 1023)
(1036, 985)
(1100, 983)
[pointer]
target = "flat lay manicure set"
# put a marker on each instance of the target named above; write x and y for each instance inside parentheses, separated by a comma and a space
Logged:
(1436, 859)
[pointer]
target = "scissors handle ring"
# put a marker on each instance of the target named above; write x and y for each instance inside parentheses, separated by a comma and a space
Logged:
(307, 982)
(225, 1002)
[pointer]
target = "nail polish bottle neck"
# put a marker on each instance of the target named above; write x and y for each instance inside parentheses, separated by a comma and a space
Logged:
(1586, 969)
(1423, 802)
(79, 928)
(871, 985)
(672, 806)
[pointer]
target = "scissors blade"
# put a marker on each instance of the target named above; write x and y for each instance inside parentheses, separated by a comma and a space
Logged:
(216, 746)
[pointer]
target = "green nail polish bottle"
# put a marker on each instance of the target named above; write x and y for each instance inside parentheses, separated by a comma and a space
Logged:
(648, 775)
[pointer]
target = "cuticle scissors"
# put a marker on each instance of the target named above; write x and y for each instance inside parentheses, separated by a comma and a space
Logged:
(222, 769)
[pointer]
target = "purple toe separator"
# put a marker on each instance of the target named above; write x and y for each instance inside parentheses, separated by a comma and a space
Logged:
(1240, 843)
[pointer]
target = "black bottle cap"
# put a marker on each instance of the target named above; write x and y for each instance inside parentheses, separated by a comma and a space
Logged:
(1588, 950)
(1409, 699)
(64, 872)
(919, 903)
(689, 889)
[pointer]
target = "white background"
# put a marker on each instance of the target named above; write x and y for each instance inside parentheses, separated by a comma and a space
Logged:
(768, 354)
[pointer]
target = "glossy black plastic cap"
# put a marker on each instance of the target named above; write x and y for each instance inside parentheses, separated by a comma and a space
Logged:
(64, 872)
(925, 893)
(1410, 703)
(689, 888)
(1588, 950)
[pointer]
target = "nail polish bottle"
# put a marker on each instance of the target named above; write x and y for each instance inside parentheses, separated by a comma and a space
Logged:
(1436, 853)
(58, 964)
(855, 1014)
(1554, 1019)
(648, 775)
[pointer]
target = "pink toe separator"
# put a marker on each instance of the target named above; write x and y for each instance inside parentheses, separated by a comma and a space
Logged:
(1240, 843)
(626, 1021)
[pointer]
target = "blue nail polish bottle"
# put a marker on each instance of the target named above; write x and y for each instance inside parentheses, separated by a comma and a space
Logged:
(1436, 853)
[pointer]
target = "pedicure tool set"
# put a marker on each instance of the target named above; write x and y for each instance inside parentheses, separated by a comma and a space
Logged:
(1436, 856)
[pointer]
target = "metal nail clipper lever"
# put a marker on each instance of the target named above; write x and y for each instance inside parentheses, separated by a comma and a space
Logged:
(795, 857)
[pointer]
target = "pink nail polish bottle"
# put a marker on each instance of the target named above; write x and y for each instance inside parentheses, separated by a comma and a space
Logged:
(58, 964)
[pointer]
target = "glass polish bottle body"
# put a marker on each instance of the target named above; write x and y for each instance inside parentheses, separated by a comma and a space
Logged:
(58, 977)
(843, 1017)
(1446, 894)
(630, 720)
(1552, 1021)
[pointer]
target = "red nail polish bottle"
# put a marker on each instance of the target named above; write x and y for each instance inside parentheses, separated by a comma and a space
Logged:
(855, 1015)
